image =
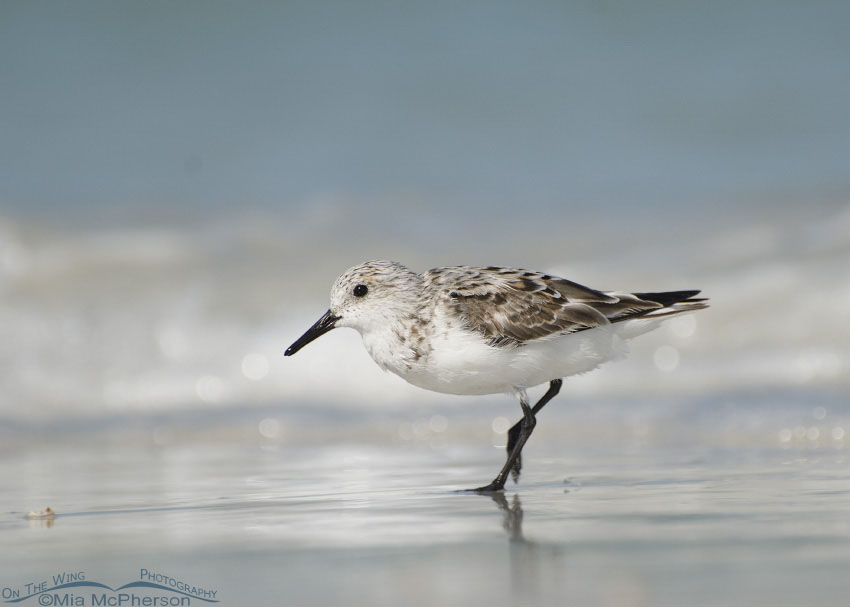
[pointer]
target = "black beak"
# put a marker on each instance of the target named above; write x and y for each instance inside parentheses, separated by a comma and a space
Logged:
(322, 326)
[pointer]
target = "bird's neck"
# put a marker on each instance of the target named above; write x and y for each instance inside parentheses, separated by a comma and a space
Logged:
(397, 343)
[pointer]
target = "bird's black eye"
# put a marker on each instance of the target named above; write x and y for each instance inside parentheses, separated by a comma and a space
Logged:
(360, 290)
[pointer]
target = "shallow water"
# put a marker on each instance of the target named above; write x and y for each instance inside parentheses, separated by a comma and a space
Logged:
(370, 521)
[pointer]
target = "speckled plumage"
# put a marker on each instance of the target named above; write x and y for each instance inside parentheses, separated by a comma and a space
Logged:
(484, 330)
(469, 330)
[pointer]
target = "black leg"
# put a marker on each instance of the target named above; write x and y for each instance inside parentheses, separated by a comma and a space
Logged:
(526, 427)
(513, 433)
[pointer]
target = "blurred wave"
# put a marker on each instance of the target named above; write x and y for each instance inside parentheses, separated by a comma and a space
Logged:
(102, 320)
(182, 184)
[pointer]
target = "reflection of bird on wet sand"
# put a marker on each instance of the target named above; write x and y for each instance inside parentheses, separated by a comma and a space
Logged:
(539, 566)
(525, 564)
(512, 521)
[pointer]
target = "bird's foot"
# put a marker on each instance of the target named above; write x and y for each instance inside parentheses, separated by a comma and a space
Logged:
(496, 485)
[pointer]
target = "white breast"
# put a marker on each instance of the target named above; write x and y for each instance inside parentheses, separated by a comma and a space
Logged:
(459, 361)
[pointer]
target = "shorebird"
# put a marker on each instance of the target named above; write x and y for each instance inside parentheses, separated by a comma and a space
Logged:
(487, 330)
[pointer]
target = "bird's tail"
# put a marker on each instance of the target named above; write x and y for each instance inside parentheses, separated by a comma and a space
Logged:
(673, 302)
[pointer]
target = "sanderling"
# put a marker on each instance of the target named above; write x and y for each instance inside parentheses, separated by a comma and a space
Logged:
(469, 330)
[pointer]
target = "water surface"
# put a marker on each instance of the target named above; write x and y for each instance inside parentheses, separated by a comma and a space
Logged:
(382, 522)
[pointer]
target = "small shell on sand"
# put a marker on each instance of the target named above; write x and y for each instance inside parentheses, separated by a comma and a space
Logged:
(47, 513)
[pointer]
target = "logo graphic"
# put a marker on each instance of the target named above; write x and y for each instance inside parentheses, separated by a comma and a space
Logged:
(72, 589)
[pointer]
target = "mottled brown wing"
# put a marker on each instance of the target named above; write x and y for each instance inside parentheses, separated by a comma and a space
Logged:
(509, 307)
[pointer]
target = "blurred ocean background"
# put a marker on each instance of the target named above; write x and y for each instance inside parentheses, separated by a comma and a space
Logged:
(181, 182)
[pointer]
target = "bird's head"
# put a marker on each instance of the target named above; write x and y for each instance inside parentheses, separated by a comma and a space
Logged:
(366, 297)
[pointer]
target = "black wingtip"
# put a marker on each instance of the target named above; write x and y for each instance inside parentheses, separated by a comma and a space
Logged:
(668, 298)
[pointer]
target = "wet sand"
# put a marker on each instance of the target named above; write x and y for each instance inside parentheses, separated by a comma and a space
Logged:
(369, 523)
